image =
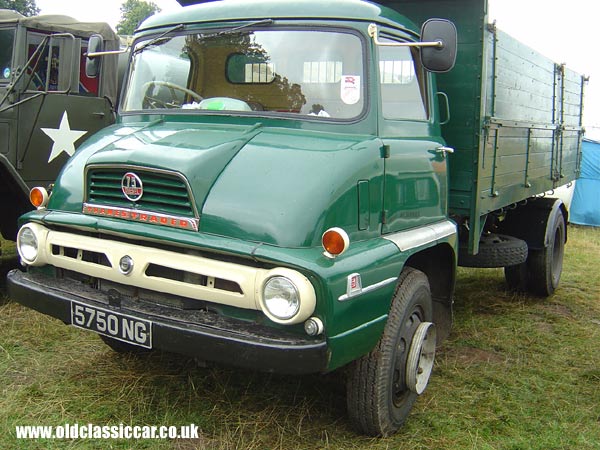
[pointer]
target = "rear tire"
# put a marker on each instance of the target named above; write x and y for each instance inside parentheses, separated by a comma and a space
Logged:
(379, 395)
(516, 277)
(545, 266)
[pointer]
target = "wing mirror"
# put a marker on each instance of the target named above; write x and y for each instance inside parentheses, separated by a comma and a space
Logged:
(92, 62)
(441, 57)
(438, 44)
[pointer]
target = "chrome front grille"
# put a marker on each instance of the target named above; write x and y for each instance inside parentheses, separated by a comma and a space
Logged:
(166, 198)
(165, 192)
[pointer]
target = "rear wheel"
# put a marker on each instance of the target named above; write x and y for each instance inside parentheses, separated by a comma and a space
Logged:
(545, 266)
(516, 277)
(384, 384)
(540, 274)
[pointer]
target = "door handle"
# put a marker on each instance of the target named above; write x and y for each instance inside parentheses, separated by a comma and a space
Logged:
(444, 150)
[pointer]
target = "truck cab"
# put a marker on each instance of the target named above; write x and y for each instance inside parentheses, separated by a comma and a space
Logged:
(47, 103)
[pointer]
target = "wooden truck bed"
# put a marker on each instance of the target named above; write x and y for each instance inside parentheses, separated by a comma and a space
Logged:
(516, 116)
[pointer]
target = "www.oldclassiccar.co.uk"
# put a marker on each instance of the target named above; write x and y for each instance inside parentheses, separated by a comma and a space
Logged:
(121, 431)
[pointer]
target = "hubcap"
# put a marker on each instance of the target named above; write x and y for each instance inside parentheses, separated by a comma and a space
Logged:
(557, 256)
(420, 358)
(410, 326)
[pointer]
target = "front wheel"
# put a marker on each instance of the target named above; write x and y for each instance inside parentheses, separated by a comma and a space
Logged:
(384, 384)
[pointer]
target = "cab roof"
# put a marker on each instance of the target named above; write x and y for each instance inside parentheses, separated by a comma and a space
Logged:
(58, 23)
(242, 10)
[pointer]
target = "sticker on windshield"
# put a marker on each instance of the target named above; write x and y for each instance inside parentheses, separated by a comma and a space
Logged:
(350, 86)
(6, 72)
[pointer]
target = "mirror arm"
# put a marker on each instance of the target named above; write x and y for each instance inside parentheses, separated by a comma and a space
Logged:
(110, 52)
(373, 33)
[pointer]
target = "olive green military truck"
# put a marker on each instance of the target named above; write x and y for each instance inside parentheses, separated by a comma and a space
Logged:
(290, 185)
(47, 102)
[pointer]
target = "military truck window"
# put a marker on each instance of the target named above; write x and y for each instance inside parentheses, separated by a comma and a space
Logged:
(7, 37)
(45, 67)
(402, 84)
(87, 86)
(251, 72)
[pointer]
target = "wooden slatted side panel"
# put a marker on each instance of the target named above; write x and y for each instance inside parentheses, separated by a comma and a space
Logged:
(524, 81)
(572, 96)
(532, 126)
(516, 162)
(572, 89)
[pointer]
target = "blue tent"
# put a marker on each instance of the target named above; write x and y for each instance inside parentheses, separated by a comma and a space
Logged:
(585, 208)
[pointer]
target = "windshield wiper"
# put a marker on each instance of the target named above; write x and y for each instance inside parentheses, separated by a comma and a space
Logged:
(236, 29)
(158, 39)
(162, 38)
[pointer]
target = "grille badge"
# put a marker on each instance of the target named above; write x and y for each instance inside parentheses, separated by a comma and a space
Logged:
(126, 265)
(132, 186)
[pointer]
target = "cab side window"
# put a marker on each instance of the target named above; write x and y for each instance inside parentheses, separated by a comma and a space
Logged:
(45, 66)
(403, 84)
(87, 86)
(7, 37)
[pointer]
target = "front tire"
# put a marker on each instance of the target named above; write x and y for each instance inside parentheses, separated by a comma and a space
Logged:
(384, 384)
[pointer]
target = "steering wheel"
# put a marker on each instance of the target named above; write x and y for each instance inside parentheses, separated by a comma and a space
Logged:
(153, 102)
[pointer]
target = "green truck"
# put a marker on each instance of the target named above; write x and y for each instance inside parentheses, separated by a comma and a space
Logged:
(290, 186)
(47, 102)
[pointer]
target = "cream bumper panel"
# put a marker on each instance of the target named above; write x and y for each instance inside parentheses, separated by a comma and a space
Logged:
(201, 276)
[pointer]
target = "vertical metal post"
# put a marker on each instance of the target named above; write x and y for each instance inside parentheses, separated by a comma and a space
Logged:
(526, 183)
(493, 192)
(492, 28)
(583, 81)
(559, 173)
(557, 115)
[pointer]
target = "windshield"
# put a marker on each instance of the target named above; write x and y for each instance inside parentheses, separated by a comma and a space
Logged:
(316, 73)
(7, 37)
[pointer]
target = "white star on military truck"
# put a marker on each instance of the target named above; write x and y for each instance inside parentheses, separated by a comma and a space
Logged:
(64, 138)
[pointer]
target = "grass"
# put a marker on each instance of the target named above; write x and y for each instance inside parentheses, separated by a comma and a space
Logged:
(517, 372)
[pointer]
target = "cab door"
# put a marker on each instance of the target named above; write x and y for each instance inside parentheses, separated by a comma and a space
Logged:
(415, 165)
(7, 116)
(59, 108)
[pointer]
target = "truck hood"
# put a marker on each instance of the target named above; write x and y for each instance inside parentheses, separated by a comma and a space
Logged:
(270, 185)
(199, 153)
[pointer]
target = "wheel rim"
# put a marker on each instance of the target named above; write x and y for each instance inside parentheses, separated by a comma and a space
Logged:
(420, 358)
(557, 255)
(407, 332)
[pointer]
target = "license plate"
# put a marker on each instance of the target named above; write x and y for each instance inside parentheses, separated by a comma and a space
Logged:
(112, 324)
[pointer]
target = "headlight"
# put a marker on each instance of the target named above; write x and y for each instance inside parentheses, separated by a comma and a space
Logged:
(31, 241)
(27, 244)
(286, 296)
(281, 298)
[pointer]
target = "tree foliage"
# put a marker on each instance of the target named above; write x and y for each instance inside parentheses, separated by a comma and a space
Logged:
(132, 13)
(25, 7)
